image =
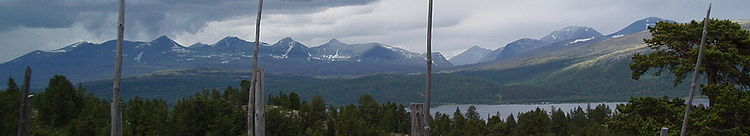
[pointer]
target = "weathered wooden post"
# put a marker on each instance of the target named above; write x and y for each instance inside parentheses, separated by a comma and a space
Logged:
(417, 120)
(251, 124)
(664, 132)
(428, 90)
(24, 122)
(115, 111)
(685, 121)
(260, 128)
(251, 106)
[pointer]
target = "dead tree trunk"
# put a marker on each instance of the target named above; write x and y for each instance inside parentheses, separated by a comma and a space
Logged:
(260, 129)
(24, 122)
(250, 103)
(417, 120)
(696, 72)
(428, 90)
(116, 111)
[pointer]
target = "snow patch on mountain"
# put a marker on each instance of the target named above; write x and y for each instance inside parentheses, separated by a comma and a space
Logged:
(138, 58)
(582, 40)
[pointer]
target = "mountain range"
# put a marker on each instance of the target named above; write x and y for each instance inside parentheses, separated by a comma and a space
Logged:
(562, 39)
(573, 64)
(86, 61)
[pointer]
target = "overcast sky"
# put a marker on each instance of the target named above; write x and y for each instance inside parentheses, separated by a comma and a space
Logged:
(27, 25)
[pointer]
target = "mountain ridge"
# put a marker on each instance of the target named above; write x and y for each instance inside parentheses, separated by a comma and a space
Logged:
(85, 61)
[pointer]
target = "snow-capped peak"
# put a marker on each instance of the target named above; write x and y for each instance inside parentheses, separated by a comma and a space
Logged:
(70, 47)
(571, 32)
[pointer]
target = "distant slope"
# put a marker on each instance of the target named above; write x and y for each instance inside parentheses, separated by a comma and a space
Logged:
(174, 84)
(580, 53)
(594, 72)
(470, 56)
(745, 24)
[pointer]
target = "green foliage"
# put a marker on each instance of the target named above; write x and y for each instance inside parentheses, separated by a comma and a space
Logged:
(534, 123)
(146, 117)
(474, 124)
(9, 109)
(93, 120)
(214, 112)
(726, 58)
(728, 115)
(12, 87)
(674, 45)
(559, 122)
(646, 115)
(207, 113)
(59, 103)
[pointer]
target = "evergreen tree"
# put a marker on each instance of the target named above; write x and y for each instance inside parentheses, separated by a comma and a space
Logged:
(9, 109)
(318, 108)
(534, 123)
(459, 123)
(294, 101)
(93, 120)
(146, 117)
(12, 87)
(440, 124)
(59, 103)
(350, 122)
(726, 57)
(496, 126)
(370, 110)
(559, 122)
(512, 125)
(474, 124)
(645, 115)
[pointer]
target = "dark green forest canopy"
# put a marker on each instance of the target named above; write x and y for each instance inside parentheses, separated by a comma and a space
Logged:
(217, 112)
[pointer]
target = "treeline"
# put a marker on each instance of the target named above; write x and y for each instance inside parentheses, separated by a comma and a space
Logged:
(65, 109)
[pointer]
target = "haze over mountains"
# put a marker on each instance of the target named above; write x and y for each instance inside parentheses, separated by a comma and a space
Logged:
(85, 61)
(571, 64)
(557, 40)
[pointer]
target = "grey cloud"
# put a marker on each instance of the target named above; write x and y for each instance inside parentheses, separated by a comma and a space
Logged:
(155, 17)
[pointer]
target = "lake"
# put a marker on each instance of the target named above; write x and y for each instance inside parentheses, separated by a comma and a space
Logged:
(506, 109)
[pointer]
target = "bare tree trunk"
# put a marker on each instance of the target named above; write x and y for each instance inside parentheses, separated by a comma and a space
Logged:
(24, 124)
(251, 101)
(686, 120)
(116, 112)
(260, 128)
(428, 91)
(417, 120)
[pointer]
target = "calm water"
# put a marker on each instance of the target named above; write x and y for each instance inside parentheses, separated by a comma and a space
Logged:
(507, 109)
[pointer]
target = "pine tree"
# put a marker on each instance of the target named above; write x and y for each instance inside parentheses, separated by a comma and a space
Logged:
(12, 86)
(559, 122)
(59, 103)
(9, 105)
(674, 47)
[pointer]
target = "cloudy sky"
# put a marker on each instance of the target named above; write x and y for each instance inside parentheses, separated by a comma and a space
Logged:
(27, 25)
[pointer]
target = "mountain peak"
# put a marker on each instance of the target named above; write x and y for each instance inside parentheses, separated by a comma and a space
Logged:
(162, 39)
(197, 45)
(230, 38)
(469, 56)
(651, 19)
(638, 26)
(286, 39)
(476, 47)
(334, 41)
(230, 41)
(572, 32)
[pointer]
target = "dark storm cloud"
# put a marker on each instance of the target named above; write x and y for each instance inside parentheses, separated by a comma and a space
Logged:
(147, 16)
